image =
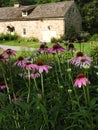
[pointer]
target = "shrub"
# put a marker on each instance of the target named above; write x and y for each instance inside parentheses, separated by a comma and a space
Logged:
(71, 34)
(8, 37)
(54, 40)
(31, 39)
(94, 54)
(85, 36)
(94, 37)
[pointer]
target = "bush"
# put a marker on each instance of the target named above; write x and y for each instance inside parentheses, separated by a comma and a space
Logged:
(94, 54)
(71, 34)
(85, 36)
(31, 39)
(8, 37)
(94, 37)
(54, 40)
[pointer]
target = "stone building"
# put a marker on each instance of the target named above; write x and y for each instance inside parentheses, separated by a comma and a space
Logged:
(42, 21)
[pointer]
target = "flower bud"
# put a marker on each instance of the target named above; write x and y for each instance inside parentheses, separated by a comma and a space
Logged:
(69, 70)
(86, 67)
(61, 87)
(39, 96)
(96, 73)
(69, 90)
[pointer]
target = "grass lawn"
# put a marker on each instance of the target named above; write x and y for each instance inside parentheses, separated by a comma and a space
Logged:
(22, 43)
(85, 46)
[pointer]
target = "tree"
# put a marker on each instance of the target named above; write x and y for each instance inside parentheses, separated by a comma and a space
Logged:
(90, 17)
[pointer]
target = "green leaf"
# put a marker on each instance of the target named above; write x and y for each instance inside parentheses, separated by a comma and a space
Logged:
(23, 105)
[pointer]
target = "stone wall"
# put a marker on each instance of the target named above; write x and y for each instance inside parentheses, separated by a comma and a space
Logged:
(73, 18)
(44, 29)
(35, 28)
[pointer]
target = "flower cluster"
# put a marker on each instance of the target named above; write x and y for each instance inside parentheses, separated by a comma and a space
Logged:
(54, 49)
(35, 68)
(43, 49)
(71, 47)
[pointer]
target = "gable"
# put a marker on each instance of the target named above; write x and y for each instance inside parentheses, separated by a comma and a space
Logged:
(51, 10)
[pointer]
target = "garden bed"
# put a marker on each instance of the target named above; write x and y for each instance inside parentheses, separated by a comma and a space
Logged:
(51, 89)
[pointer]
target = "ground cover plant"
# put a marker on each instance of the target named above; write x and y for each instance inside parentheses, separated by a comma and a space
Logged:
(16, 40)
(54, 88)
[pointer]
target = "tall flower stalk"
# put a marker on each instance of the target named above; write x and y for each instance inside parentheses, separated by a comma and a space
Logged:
(82, 81)
(41, 68)
(8, 91)
(35, 84)
(59, 65)
(8, 54)
(76, 95)
(28, 85)
(42, 84)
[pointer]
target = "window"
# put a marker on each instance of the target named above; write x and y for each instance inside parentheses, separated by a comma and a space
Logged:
(10, 28)
(24, 31)
(24, 13)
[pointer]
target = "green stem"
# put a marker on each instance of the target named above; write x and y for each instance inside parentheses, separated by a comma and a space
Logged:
(28, 96)
(11, 79)
(88, 96)
(59, 66)
(57, 77)
(9, 96)
(35, 84)
(84, 90)
(16, 119)
(74, 90)
(71, 100)
(42, 84)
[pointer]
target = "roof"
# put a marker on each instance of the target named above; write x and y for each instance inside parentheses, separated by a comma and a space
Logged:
(49, 10)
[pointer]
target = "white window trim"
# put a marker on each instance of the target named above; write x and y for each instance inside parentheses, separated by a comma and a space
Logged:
(24, 13)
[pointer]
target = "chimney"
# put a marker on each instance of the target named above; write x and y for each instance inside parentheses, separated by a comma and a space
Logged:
(16, 5)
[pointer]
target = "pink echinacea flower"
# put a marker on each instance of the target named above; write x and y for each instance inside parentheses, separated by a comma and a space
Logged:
(1, 48)
(21, 62)
(81, 80)
(32, 75)
(42, 67)
(71, 48)
(9, 52)
(30, 66)
(3, 85)
(3, 59)
(56, 48)
(81, 60)
(43, 49)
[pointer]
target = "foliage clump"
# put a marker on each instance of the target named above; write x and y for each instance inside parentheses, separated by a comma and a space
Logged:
(16, 37)
(94, 37)
(56, 86)
(8, 37)
(94, 54)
